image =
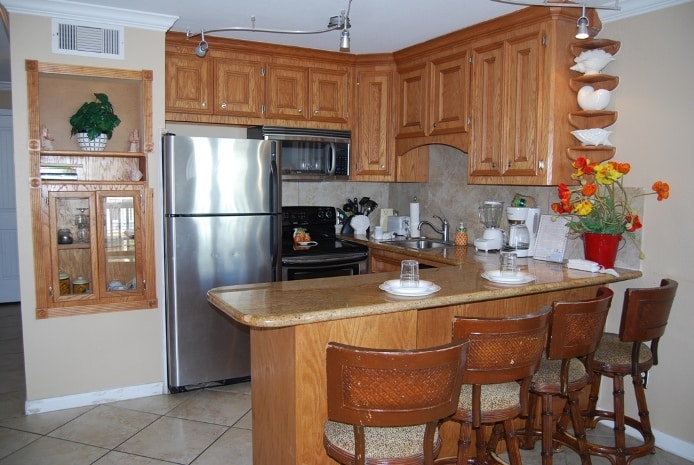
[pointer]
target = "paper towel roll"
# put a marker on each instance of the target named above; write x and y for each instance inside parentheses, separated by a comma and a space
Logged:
(414, 219)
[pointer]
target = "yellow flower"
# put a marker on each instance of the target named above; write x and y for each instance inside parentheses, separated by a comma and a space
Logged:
(583, 208)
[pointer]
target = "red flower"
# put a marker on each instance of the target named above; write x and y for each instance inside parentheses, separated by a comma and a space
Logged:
(633, 223)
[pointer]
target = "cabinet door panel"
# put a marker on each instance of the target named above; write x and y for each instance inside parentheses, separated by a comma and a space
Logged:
(188, 83)
(287, 92)
(411, 116)
(74, 277)
(449, 100)
(238, 88)
(523, 109)
(120, 231)
(329, 95)
(487, 103)
(373, 151)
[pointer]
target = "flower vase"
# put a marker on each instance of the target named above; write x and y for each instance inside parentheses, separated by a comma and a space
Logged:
(601, 248)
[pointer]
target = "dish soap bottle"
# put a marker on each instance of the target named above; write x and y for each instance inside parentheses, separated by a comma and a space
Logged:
(461, 234)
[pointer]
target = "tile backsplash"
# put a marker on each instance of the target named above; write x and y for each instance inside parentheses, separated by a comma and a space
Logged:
(447, 194)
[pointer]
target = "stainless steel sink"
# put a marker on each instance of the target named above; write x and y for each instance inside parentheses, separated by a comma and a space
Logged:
(419, 243)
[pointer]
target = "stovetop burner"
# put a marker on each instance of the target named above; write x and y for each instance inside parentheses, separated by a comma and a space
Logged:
(319, 223)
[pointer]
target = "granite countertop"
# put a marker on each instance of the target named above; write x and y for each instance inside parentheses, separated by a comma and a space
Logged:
(291, 303)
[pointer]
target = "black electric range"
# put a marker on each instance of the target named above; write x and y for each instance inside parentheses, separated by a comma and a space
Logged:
(329, 256)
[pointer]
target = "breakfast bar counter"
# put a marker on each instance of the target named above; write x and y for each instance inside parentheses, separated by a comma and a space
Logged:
(291, 322)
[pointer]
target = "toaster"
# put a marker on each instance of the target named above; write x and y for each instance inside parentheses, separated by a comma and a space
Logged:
(399, 225)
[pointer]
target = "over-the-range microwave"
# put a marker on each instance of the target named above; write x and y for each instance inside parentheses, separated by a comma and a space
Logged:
(309, 154)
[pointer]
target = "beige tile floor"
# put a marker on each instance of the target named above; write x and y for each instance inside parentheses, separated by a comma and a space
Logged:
(204, 427)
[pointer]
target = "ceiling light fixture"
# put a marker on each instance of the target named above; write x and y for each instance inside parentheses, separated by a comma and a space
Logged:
(582, 25)
(335, 23)
(201, 49)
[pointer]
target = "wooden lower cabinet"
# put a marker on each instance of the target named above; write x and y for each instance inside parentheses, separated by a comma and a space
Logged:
(288, 370)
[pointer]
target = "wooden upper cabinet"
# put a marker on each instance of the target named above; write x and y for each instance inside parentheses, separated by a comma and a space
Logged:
(307, 93)
(507, 128)
(188, 83)
(412, 104)
(238, 87)
(519, 102)
(486, 101)
(372, 153)
(450, 88)
(433, 96)
(330, 94)
(287, 92)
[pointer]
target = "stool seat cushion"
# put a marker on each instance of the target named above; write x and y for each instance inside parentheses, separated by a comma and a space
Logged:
(494, 397)
(549, 372)
(393, 442)
(613, 354)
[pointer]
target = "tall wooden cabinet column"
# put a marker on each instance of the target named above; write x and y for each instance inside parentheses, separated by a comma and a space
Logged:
(111, 267)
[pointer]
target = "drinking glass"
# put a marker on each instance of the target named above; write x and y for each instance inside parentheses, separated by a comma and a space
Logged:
(508, 263)
(409, 273)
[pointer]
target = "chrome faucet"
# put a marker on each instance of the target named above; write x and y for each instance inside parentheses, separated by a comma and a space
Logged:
(444, 227)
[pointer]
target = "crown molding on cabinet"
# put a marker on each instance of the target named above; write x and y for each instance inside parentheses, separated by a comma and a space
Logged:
(77, 11)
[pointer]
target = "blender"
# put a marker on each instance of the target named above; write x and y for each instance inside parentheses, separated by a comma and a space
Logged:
(523, 223)
(490, 215)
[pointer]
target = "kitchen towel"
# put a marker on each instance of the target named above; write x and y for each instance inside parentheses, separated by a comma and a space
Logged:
(414, 218)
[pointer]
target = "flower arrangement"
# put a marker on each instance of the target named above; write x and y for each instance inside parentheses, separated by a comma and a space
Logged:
(600, 204)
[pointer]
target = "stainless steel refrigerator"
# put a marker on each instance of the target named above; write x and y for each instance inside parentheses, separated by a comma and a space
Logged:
(222, 225)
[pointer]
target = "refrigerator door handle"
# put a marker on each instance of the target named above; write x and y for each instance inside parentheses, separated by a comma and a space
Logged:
(275, 193)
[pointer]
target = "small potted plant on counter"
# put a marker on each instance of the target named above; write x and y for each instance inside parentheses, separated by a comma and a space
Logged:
(93, 123)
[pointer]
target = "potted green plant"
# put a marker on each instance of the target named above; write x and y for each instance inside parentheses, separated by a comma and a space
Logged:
(93, 123)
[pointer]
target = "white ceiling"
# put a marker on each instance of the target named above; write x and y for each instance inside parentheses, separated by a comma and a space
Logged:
(377, 25)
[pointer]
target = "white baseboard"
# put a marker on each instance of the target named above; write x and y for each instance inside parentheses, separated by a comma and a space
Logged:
(674, 445)
(663, 441)
(93, 398)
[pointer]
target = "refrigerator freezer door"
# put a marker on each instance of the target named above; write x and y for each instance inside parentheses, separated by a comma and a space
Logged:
(220, 176)
(201, 253)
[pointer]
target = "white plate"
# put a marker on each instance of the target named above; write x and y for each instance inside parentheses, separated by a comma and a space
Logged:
(519, 278)
(307, 244)
(393, 287)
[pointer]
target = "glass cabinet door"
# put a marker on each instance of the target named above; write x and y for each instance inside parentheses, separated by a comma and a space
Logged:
(73, 251)
(120, 235)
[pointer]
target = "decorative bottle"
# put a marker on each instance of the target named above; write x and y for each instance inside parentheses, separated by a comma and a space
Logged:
(461, 234)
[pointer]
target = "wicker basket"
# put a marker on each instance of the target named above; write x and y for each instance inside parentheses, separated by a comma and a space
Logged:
(96, 145)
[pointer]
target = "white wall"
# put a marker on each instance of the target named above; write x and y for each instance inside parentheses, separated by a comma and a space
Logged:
(115, 354)
(653, 133)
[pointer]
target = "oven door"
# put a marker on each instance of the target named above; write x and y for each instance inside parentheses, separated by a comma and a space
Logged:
(294, 269)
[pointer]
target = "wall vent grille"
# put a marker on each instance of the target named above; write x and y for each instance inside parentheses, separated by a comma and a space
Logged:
(87, 39)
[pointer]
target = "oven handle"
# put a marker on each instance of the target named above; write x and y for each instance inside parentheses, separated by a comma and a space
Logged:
(338, 260)
(333, 159)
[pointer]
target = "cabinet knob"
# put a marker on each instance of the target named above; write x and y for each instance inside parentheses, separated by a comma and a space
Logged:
(541, 165)
(223, 106)
(315, 112)
(510, 164)
(493, 164)
(203, 104)
(435, 124)
(300, 110)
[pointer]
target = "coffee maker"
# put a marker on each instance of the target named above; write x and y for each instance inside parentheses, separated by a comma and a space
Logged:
(523, 223)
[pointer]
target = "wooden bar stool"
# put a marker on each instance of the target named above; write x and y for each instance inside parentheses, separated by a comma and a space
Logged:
(645, 314)
(504, 354)
(575, 329)
(384, 406)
